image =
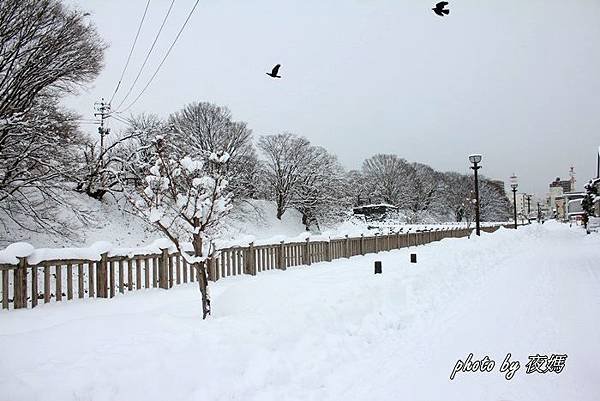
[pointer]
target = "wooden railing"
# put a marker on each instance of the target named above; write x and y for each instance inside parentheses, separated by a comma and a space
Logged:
(25, 284)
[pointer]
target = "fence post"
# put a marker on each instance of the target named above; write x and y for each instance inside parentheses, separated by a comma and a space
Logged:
(398, 246)
(20, 289)
(163, 269)
(306, 255)
(249, 260)
(347, 246)
(101, 277)
(328, 250)
(280, 261)
(253, 265)
(362, 244)
(212, 268)
(376, 244)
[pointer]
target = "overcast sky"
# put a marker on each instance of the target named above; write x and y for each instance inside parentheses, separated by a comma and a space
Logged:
(515, 80)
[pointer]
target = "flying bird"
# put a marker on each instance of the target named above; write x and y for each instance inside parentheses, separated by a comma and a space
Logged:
(275, 71)
(440, 10)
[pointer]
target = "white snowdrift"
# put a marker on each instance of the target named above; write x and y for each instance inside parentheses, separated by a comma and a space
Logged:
(332, 331)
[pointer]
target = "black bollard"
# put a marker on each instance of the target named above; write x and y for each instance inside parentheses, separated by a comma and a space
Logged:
(413, 258)
(377, 267)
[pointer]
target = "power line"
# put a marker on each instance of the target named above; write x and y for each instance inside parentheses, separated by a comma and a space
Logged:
(147, 55)
(120, 119)
(130, 51)
(164, 58)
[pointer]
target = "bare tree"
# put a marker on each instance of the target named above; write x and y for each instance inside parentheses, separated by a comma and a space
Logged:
(45, 50)
(455, 194)
(424, 184)
(205, 127)
(388, 178)
(458, 197)
(186, 199)
(320, 193)
(357, 185)
(128, 152)
(43, 47)
(286, 158)
(38, 158)
(494, 205)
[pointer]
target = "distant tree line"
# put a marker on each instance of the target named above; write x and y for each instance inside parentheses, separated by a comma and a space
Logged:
(294, 173)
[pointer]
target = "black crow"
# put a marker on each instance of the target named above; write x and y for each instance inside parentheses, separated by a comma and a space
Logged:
(274, 72)
(439, 8)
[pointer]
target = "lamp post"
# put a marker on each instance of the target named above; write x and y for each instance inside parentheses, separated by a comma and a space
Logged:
(514, 185)
(476, 159)
(528, 208)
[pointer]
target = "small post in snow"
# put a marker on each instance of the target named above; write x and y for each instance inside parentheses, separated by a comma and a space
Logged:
(413, 258)
(378, 267)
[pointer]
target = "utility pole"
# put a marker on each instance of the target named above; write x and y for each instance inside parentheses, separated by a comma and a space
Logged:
(539, 213)
(528, 208)
(476, 159)
(514, 185)
(598, 164)
(102, 109)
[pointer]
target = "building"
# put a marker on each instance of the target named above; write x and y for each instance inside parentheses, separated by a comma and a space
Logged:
(377, 212)
(570, 206)
(566, 185)
(557, 188)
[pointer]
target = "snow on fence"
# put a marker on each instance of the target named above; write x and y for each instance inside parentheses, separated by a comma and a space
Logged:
(27, 283)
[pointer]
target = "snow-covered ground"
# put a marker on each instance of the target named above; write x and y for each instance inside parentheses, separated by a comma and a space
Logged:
(333, 331)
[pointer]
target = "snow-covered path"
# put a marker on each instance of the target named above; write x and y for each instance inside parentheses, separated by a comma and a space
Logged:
(333, 331)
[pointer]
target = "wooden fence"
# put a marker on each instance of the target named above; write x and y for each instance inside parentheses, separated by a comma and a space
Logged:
(58, 280)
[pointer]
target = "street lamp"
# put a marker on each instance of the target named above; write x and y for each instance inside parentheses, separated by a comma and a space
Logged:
(514, 185)
(528, 208)
(476, 159)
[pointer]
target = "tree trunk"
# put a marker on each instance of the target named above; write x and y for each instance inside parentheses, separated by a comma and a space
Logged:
(305, 221)
(202, 277)
(203, 284)
(280, 209)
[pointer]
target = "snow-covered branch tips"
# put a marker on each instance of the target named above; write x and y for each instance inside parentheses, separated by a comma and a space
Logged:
(185, 198)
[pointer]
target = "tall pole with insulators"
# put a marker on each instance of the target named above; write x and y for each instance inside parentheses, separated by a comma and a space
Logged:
(476, 159)
(514, 185)
(598, 163)
(102, 110)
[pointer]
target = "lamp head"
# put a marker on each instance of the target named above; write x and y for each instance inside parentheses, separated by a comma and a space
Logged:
(476, 158)
(513, 182)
